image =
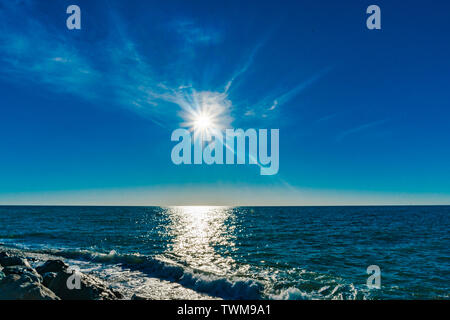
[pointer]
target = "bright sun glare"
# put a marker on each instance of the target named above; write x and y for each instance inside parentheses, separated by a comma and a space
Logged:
(207, 113)
(202, 122)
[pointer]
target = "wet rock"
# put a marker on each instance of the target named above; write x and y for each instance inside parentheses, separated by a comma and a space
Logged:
(48, 278)
(52, 266)
(25, 272)
(7, 260)
(18, 280)
(19, 287)
(91, 288)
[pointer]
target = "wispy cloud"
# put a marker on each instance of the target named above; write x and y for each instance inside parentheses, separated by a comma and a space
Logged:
(289, 95)
(193, 34)
(111, 71)
(327, 117)
(360, 128)
(274, 100)
(243, 69)
(274, 105)
(39, 56)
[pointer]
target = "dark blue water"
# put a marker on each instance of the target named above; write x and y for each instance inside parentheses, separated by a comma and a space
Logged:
(247, 252)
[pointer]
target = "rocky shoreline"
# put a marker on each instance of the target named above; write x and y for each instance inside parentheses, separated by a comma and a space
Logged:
(47, 280)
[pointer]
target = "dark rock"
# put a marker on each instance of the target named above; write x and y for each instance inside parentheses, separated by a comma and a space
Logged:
(48, 278)
(18, 280)
(91, 288)
(19, 287)
(52, 266)
(22, 271)
(8, 260)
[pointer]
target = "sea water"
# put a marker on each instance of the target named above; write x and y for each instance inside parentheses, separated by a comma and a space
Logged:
(245, 252)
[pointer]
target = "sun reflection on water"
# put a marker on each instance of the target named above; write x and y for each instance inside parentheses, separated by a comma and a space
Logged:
(203, 237)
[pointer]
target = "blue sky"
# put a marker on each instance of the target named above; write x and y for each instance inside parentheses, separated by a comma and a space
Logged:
(86, 115)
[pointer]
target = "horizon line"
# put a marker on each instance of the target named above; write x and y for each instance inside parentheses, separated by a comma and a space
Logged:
(206, 205)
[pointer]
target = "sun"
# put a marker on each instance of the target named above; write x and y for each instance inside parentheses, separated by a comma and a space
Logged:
(202, 122)
(206, 114)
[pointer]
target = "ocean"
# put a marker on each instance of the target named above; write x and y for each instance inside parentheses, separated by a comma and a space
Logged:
(245, 252)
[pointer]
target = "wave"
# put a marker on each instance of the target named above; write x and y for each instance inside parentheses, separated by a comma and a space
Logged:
(336, 292)
(200, 281)
(213, 285)
(290, 294)
(208, 283)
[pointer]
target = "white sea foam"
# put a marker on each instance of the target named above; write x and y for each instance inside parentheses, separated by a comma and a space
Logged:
(202, 282)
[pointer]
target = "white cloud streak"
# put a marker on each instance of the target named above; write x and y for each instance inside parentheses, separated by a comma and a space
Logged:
(360, 128)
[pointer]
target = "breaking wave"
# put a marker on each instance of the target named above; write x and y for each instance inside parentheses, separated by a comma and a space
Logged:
(200, 281)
